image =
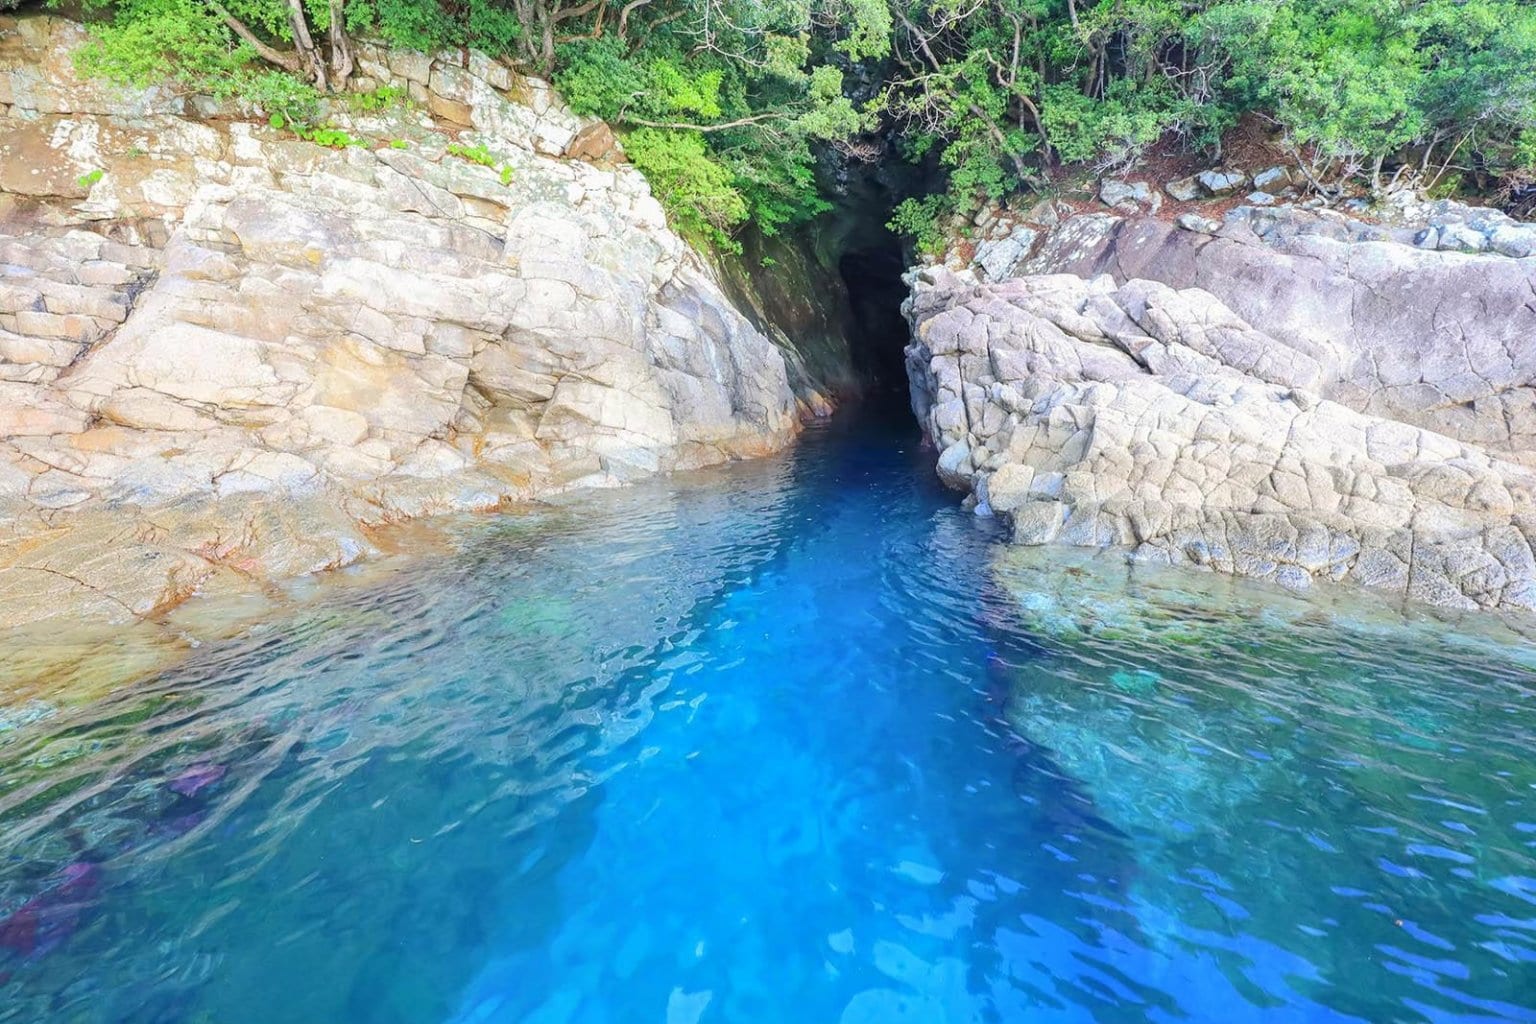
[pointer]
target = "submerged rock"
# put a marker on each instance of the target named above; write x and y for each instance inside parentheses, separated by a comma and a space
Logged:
(1253, 745)
(44, 922)
(197, 778)
(1206, 684)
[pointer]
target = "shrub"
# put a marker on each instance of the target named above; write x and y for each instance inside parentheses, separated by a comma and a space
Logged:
(921, 219)
(478, 154)
(376, 100)
(698, 191)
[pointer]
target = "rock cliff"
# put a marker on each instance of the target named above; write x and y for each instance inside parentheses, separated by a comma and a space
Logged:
(226, 353)
(1287, 395)
(1439, 339)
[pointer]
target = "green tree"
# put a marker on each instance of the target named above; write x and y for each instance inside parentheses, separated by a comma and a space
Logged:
(726, 104)
(724, 107)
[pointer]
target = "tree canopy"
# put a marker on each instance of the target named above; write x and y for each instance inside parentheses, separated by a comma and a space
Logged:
(724, 104)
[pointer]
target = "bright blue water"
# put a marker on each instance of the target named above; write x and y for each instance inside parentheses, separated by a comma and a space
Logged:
(771, 744)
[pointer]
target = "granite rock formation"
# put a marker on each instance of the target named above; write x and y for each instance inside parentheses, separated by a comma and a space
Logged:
(1296, 397)
(226, 353)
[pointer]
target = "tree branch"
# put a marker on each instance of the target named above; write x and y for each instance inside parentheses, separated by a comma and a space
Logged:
(341, 46)
(626, 11)
(286, 61)
(679, 126)
(998, 137)
(574, 12)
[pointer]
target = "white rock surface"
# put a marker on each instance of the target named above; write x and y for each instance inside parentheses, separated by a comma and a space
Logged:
(1220, 181)
(1437, 339)
(998, 258)
(230, 351)
(1096, 414)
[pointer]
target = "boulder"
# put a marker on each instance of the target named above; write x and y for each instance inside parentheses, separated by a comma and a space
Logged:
(1273, 180)
(1008, 487)
(1221, 181)
(1184, 189)
(998, 258)
(1134, 194)
(1462, 238)
(1047, 213)
(596, 144)
(1514, 240)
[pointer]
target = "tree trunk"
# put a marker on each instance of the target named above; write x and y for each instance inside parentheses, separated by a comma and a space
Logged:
(1048, 154)
(287, 61)
(527, 13)
(341, 46)
(547, 46)
(305, 44)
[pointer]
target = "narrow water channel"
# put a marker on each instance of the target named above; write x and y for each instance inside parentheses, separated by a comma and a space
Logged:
(778, 742)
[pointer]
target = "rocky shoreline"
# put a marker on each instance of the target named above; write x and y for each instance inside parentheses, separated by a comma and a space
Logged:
(228, 354)
(1287, 394)
(231, 356)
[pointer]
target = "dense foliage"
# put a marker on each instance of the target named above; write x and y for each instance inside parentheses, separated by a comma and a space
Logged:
(724, 103)
(1008, 88)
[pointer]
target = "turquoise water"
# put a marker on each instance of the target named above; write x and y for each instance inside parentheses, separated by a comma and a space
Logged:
(781, 743)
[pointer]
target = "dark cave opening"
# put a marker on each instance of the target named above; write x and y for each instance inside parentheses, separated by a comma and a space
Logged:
(876, 330)
(832, 291)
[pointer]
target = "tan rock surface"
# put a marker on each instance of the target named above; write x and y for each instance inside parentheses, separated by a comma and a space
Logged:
(228, 352)
(1136, 415)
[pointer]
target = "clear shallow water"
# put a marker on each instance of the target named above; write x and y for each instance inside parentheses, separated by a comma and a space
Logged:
(776, 743)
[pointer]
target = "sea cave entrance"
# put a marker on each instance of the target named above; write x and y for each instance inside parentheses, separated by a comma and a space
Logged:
(876, 330)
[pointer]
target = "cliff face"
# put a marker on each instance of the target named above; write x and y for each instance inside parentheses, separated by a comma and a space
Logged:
(1287, 395)
(225, 352)
(1388, 324)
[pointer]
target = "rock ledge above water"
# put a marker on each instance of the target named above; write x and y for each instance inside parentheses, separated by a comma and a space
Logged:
(226, 354)
(1295, 397)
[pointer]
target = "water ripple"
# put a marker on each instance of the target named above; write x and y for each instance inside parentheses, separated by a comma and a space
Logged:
(783, 741)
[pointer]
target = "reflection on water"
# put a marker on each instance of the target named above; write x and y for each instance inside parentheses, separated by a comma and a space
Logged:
(1326, 802)
(779, 742)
